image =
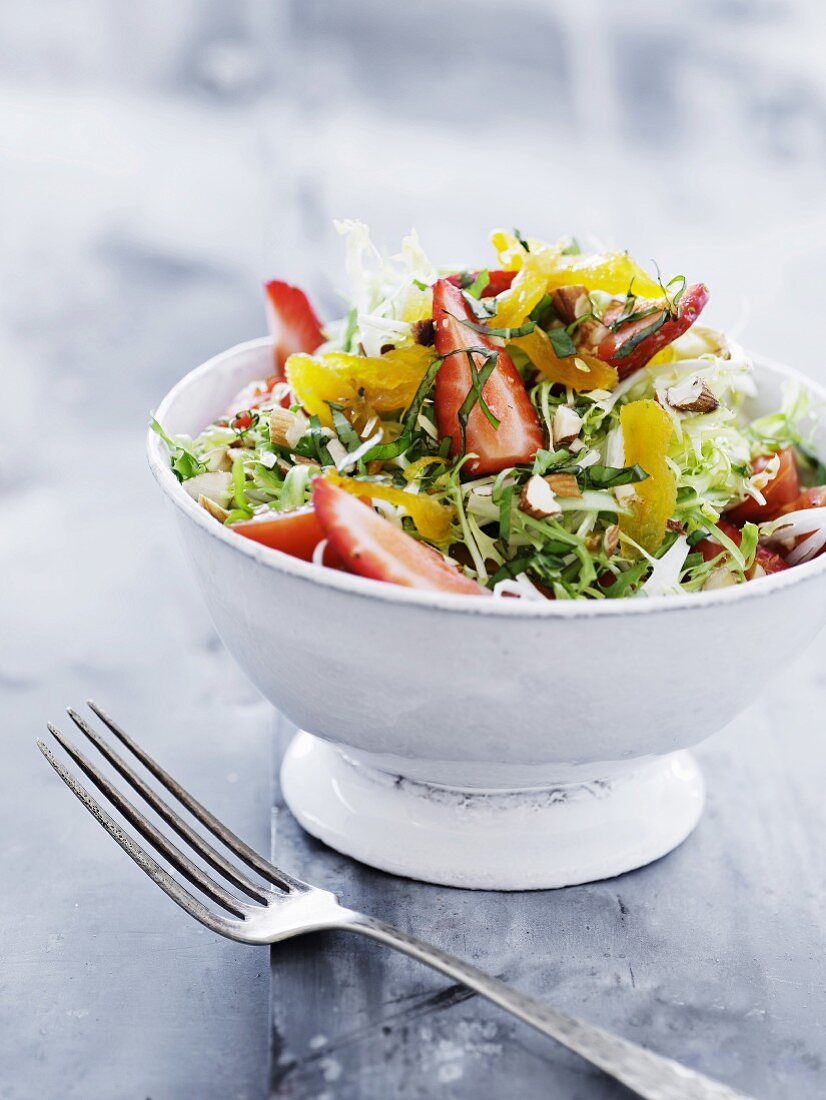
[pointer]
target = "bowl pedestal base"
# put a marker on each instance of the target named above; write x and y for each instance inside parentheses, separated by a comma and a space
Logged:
(493, 839)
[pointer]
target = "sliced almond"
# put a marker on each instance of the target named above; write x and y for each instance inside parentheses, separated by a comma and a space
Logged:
(217, 486)
(214, 509)
(610, 540)
(626, 495)
(218, 458)
(337, 451)
(564, 485)
(538, 499)
(691, 395)
(281, 423)
(567, 425)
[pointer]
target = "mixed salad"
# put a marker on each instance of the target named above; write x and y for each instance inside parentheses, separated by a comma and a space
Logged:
(553, 426)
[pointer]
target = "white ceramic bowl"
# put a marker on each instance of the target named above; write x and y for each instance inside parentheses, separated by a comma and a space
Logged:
(484, 743)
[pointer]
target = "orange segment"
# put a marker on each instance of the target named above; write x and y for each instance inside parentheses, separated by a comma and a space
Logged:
(384, 382)
(533, 268)
(539, 349)
(544, 267)
(608, 271)
(646, 432)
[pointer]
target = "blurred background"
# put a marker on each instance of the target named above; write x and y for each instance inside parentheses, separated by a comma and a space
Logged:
(158, 161)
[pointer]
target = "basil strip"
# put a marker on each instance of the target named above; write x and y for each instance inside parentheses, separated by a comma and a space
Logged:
(475, 394)
(505, 333)
(415, 407)
(505, 513)
(562, 342)
(637, 315)
(633, 342)
(608, 477)
(344, 429)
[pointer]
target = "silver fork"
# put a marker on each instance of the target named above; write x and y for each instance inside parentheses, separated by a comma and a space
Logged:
(284, 906)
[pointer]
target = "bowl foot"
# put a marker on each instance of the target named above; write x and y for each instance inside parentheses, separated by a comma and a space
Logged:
(492, 840)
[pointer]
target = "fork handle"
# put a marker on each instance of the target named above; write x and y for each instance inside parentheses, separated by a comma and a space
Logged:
(649, 1075)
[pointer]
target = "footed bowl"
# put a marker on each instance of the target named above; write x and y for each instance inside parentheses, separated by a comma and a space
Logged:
(491, 744)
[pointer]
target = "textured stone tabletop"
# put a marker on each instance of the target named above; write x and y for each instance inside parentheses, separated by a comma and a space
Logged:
(155, 167)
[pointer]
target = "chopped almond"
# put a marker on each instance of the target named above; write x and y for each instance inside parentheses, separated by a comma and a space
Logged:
(610, 540)
(570, 302)
(691, 395)
(538, 499)
(214, 509)
(564, 485)
(216, 486)
(218, 458)
(567, 425)
(282, 425)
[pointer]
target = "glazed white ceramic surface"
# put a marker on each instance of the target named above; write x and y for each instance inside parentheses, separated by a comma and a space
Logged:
(482, 742)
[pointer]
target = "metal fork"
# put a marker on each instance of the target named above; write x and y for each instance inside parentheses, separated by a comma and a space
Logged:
(283, 906)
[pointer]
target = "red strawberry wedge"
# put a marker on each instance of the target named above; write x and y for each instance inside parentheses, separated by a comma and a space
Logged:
(371, 546)
(519, 434)
(628, 348)
(293, 323)
(295, 533)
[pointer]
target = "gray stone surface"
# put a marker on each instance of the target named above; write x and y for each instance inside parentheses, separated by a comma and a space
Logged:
(156, 163)
(713, 955)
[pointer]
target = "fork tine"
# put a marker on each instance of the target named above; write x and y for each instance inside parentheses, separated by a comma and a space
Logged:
(179, 894)
(264, 868)
(212, 856)
(148, 831)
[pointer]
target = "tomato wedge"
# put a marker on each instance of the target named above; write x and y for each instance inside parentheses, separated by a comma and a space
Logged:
(519, 434)
(295, 533)
(783, 488)
(764, 556)
(293, 323)
(373, 547)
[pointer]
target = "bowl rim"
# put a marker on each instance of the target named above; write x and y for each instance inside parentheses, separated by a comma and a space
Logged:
(365, 587)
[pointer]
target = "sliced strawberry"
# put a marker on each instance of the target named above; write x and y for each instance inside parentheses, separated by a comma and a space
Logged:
(295, 533)
(626, 350)
(519, 434)
(497, 281)
(293, 323)
(373, 547)
(783, 488)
